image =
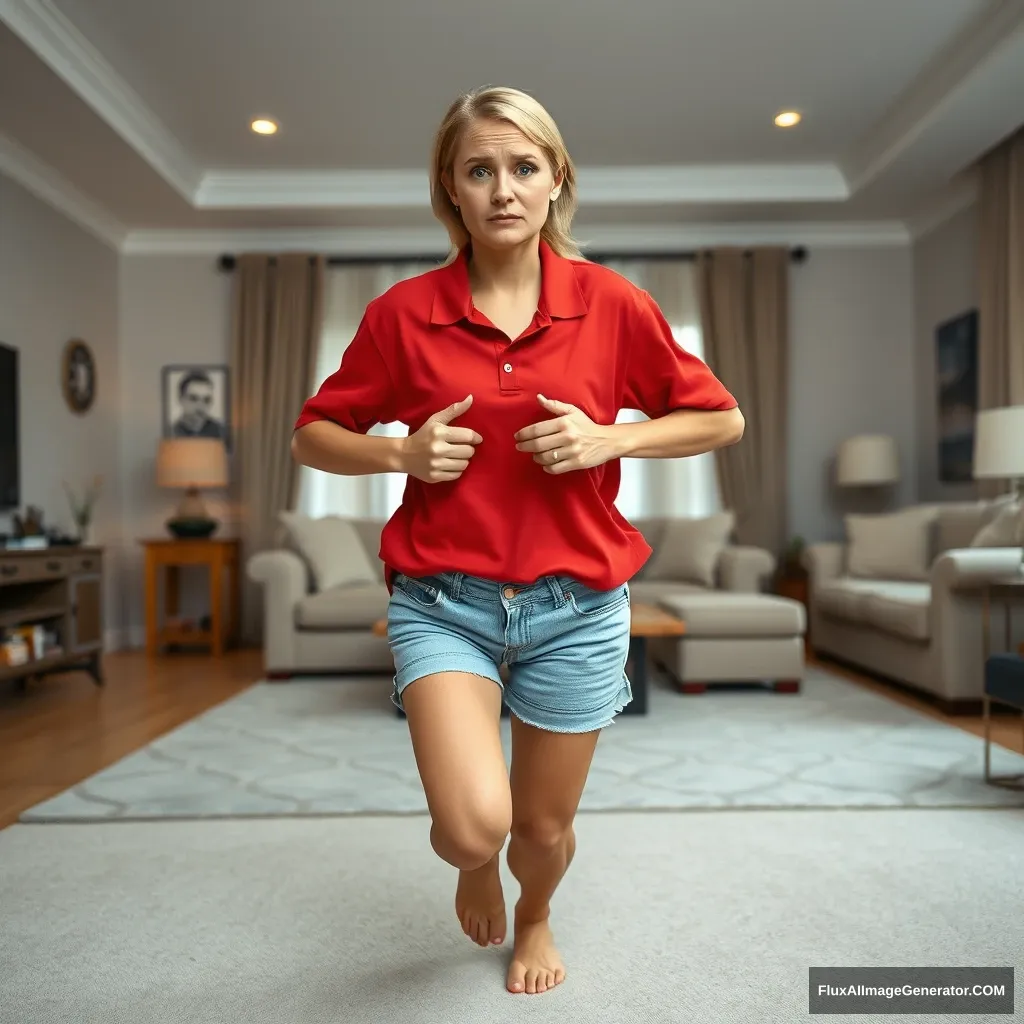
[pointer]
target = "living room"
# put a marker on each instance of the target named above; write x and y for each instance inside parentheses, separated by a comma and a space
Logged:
(196, 677)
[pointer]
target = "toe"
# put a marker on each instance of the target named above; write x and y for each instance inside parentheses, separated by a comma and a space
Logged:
(531, 982)
(559, 976)
(516, 977)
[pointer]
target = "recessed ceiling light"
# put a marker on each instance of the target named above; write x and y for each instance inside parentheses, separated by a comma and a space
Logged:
(264, 126)
(787, 119)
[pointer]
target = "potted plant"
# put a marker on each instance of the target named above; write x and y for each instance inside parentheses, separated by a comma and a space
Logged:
(82, 508)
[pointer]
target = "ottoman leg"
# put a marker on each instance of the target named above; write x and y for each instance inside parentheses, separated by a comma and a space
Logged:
(786, 686)
(689, 687)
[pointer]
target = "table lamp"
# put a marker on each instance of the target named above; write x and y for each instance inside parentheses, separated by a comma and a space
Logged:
(867, 460)
(191, 463)
(999, 446)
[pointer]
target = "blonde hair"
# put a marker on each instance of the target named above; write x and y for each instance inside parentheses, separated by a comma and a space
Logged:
(521, 111)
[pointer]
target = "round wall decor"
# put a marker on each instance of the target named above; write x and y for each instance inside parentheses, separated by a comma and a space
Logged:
(79, 375)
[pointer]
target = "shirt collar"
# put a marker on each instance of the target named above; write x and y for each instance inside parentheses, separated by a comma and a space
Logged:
(560, 294)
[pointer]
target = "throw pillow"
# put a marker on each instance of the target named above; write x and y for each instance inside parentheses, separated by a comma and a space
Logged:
(959, 522)
(331, 548)
(891, 545)
(689, 549)
(1005, 531)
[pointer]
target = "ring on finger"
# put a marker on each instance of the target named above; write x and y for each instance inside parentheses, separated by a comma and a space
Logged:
(554, 455)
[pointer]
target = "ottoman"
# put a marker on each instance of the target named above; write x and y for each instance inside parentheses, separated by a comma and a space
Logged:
(735, 638)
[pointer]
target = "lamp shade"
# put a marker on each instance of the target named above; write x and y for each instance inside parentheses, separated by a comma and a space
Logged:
(192, 462)
(999, 443)
(866, 460)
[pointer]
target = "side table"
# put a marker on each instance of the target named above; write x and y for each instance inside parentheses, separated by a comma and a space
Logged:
(1002, 670)
(165, 555)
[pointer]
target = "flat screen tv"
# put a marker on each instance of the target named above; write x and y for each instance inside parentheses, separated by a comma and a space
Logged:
(10, 469)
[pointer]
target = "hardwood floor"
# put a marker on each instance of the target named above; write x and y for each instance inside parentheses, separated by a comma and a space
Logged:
(64, 728)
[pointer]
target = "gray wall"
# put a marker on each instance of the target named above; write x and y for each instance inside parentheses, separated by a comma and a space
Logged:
(56, 283)
(174, 310)
(851, 372)
(945, 285)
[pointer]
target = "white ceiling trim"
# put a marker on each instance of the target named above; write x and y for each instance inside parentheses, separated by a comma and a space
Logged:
(598, 186)
(956, 198)
(641, 238)
(69, 54)
(46, 184)
(1000, 25)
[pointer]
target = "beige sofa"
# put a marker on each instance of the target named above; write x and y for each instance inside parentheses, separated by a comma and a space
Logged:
(318, 617)
(903, 595)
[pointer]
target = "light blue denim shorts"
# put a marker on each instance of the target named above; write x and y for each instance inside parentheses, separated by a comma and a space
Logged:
(565, 644)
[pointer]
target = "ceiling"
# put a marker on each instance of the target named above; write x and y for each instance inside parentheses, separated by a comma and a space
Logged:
(132, 115)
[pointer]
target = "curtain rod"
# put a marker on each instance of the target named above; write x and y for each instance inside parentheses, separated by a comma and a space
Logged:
(228, 262)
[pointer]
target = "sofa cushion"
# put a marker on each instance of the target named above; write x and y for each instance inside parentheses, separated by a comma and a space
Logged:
(332, 548)
(893, 545)
(354, 606)
(895, 606)
(652, 591)
(1004, 528)
(714, 613)
(957, 524)
(905, 613)
(689, 549)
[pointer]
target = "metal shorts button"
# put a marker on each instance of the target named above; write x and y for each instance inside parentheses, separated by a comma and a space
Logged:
(510, 592)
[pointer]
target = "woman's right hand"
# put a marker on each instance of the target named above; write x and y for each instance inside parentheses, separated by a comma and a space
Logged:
(439, 452)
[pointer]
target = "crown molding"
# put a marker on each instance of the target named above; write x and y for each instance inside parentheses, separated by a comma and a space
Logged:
(46, 184)
(598, 186)
(641, 238)
(57, 42)
(933, 92)
(957, 198)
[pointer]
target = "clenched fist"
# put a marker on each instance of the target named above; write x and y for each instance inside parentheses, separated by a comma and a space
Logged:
(439, 452)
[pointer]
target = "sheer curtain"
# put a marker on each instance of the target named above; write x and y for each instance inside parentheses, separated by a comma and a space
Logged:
(650, 487)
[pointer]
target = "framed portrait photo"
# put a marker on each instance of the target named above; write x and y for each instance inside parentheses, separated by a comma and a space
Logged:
(196, 402)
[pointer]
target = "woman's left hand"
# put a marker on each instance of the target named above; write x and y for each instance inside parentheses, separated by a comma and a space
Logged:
(571, 440)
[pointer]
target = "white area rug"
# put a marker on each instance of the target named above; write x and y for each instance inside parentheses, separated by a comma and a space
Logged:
(710, 918)
(336, 747)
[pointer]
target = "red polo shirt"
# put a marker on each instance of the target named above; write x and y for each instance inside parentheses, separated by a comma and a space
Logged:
(596, 341)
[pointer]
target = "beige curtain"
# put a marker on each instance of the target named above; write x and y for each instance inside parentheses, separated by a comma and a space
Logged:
(744, 301)
(1001, 275)
(278, 308)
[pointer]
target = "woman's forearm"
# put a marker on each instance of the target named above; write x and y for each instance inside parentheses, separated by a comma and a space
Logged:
(677, 435)
(329, 447)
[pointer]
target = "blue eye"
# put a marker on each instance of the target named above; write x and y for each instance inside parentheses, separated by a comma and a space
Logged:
(527, 167)
(473, 173)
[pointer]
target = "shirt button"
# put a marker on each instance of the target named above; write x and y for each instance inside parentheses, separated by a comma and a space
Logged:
(508, 367)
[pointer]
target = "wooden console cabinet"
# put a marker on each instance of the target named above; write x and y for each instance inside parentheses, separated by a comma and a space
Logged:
(61, 590)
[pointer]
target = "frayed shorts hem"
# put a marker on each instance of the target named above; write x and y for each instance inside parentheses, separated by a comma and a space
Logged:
(431, 664)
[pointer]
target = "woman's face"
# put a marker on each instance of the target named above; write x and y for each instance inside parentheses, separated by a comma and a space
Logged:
(502, 184)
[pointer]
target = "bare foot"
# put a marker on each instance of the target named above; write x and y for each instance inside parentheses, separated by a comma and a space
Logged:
(480, 904)
(536, 965)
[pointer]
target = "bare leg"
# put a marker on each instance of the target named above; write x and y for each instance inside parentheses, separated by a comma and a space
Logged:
(454, 724)
(549, 771)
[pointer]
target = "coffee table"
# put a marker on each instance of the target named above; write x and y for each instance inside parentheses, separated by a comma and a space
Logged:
(646, 621)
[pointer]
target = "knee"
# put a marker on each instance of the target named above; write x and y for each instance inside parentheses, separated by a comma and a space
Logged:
(542, 834)
(473, 841)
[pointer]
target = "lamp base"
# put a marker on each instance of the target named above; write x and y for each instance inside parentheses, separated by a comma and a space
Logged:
(186, 528)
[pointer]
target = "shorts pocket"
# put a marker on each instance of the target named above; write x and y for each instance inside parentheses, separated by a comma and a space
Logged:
(586, 602)
(424, 591)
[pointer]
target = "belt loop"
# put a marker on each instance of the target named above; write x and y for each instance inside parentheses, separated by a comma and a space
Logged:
(456, 584)
(557, 591)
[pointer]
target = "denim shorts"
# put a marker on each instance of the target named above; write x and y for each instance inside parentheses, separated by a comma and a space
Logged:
(565, 645)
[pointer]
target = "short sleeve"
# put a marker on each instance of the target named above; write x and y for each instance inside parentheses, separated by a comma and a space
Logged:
(661, 376)
(360, 393)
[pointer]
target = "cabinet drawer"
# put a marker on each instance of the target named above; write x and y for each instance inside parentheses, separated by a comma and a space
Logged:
(85, 563)
(26, 570)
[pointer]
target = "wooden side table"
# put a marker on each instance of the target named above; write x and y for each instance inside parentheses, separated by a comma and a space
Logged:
(221, 557)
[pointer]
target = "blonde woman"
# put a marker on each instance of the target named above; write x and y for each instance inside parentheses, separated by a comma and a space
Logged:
(509, 365)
